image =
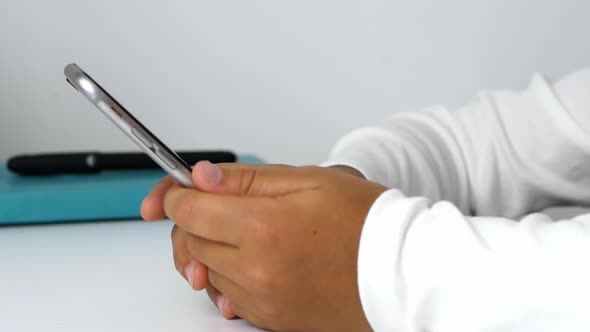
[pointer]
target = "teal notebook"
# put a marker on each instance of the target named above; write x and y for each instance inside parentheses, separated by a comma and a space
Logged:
(84, 197)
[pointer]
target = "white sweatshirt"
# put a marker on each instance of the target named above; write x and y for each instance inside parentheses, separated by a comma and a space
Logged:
(472, 262)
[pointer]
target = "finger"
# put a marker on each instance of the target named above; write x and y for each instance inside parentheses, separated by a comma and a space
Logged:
(253, 180)
(222, 303)
(191, 269)
(232, 299)
(152, 207)
(232, 295)
(216, 255)
(215, 217)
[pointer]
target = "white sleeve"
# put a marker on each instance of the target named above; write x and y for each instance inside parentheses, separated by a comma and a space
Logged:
(432, 269)
(505, 154)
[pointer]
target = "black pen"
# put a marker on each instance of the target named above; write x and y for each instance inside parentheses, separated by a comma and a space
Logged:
(94, 162)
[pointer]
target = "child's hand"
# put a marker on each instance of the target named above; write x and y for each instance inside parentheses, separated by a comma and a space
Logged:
(280, 242)
(153, 209)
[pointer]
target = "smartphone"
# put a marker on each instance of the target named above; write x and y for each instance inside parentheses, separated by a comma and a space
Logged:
(138, 133)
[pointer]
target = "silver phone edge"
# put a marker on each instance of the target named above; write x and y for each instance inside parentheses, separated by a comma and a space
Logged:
(96, 95)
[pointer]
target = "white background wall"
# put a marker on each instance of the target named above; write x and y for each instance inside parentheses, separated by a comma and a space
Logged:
(283, 79)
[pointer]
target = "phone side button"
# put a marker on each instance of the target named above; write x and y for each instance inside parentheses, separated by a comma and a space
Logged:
(141, 137)
(162, 155)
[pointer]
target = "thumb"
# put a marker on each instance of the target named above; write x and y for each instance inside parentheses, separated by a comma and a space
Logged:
(250, 180)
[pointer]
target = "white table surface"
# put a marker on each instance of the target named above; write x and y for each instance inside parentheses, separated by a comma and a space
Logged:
(99, 276)
(102, 276)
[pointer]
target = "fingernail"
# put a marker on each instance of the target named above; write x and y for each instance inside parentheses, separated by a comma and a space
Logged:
(220, 302)
(211, 171)
(189, 271)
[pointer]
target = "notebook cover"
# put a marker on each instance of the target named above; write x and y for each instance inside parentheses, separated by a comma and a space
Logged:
(84, 197)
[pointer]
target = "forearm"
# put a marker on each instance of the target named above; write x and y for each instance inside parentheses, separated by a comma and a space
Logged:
(425, 268)
(415, 152)
(504, 154)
